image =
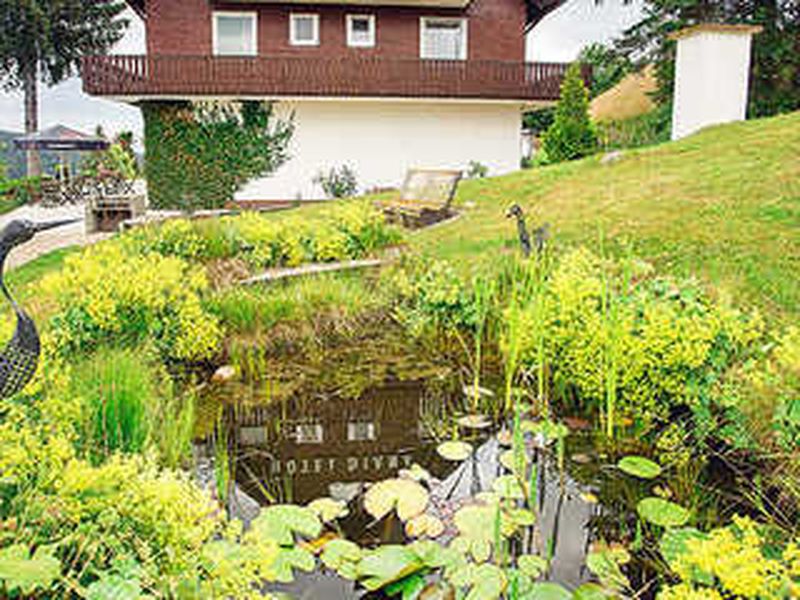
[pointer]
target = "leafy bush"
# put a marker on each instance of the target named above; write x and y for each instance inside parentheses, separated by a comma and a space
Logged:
(197, 155)
(739, 561)
(338, 182)
(106, 292)
(336, 232)
(571, 135)
(476, 170)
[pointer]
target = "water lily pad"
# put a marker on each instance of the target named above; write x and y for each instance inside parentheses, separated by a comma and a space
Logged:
(532, 565)
(476, 522)
(281, 522)
(508, 486)
(590, 591)
(581, 459)
(408, 497)
(474, 422)
(341, 555)
(424, 525)
(488, 583)
(387, 564)
(662, 512)
(638, 466)
(415, 473)
(454, 450)
(548, 591)
(328, 509)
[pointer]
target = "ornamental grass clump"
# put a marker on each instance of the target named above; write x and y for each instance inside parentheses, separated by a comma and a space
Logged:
(105, 293)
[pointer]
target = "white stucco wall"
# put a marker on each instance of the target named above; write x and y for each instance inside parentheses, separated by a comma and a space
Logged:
(711, 80)
(381, 140)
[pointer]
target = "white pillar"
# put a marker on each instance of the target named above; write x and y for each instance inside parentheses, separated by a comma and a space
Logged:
(712, 75)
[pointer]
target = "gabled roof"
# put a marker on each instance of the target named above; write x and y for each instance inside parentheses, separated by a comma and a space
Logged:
(60, 138)
(138, 6)
(536, 9)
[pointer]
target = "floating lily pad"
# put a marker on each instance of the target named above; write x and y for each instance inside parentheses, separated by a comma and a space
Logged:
(638, 466)
(424, 525)
(581, 459)
(508, 486)
(281, 522)
(474, 422)
(328, 509)
(532, 565)
(454, 450)
(548, 591)
(662, 512)
(387, 564)
(407, 496)
(415, 473)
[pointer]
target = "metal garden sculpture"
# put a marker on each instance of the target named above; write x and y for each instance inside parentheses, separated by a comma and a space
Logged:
(541, 234)
(20, 357)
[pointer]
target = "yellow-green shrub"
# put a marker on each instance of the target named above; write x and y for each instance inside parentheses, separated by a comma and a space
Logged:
(669, 342)
(734, 562)
(107, 293)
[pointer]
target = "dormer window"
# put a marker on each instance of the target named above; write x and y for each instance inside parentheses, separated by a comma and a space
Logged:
(304, 29)
(361, 31)
(443, 38)
(234, 33)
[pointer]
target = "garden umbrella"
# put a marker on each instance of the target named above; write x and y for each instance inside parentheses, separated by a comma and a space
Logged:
(61, 139)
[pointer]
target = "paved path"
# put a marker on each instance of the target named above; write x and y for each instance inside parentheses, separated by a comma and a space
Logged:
(47, 241)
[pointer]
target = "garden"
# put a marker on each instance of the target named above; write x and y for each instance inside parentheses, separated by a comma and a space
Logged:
(576, 424)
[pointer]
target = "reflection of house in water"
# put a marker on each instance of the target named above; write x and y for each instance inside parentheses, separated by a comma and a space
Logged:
(328, 446)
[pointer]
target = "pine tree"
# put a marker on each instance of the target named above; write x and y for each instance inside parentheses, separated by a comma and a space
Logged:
(45, 40)
(571, 135)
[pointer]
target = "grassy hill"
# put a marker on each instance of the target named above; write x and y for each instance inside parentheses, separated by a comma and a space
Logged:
(723, 205)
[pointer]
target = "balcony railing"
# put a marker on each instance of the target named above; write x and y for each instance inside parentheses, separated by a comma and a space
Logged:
(288, 76)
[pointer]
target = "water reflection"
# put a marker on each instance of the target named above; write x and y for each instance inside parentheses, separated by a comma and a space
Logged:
(313, 446)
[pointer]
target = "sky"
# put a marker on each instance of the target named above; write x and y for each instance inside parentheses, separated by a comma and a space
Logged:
(558, 38)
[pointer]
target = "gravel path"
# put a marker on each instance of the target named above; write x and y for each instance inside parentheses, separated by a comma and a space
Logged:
(47, 241)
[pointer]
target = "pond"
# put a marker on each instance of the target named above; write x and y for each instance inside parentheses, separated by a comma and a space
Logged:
(328, 443)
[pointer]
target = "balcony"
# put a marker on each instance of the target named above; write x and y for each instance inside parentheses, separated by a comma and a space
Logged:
(170, 77)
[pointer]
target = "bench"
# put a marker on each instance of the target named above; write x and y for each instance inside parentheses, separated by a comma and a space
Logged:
(425, 199)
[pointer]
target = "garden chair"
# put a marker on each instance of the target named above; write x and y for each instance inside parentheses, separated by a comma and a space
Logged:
(425, 199)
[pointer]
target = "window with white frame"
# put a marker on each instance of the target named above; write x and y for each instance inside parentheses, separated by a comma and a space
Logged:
(235, 33)
(361, 31)
(443, 38)
(304, 29)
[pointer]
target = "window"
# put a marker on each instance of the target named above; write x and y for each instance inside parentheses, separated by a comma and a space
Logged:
(308, 433)
(234, 34)
(360, 431)
(361, 31)
(304, 29)
(443, 39)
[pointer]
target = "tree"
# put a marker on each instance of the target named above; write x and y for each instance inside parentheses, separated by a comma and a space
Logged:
(775, 80)
(45, 40)
(608, 67)
(571, 135)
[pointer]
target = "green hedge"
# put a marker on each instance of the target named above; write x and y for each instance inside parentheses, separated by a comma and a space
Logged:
(198, 155)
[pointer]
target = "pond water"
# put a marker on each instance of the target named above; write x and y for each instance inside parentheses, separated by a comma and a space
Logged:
(314, 445)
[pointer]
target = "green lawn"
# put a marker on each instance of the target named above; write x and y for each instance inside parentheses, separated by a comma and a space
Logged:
(723, 205)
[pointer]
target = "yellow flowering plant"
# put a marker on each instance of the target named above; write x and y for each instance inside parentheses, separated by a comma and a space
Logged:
(736, 561)
(106, 293)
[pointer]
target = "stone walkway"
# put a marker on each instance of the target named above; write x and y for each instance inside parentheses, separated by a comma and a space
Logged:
(47, 241)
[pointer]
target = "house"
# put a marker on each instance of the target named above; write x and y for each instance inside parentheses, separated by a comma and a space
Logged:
(379, 85)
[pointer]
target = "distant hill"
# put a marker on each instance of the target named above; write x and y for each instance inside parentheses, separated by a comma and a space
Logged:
(15, 160)
(629, 98)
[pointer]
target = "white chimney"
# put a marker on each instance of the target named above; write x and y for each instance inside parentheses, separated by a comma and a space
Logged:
(712, 76)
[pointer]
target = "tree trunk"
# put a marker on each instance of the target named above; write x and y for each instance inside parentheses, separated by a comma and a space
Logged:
(31, 90)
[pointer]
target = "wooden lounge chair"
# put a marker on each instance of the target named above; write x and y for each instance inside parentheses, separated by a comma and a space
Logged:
(425, 199)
